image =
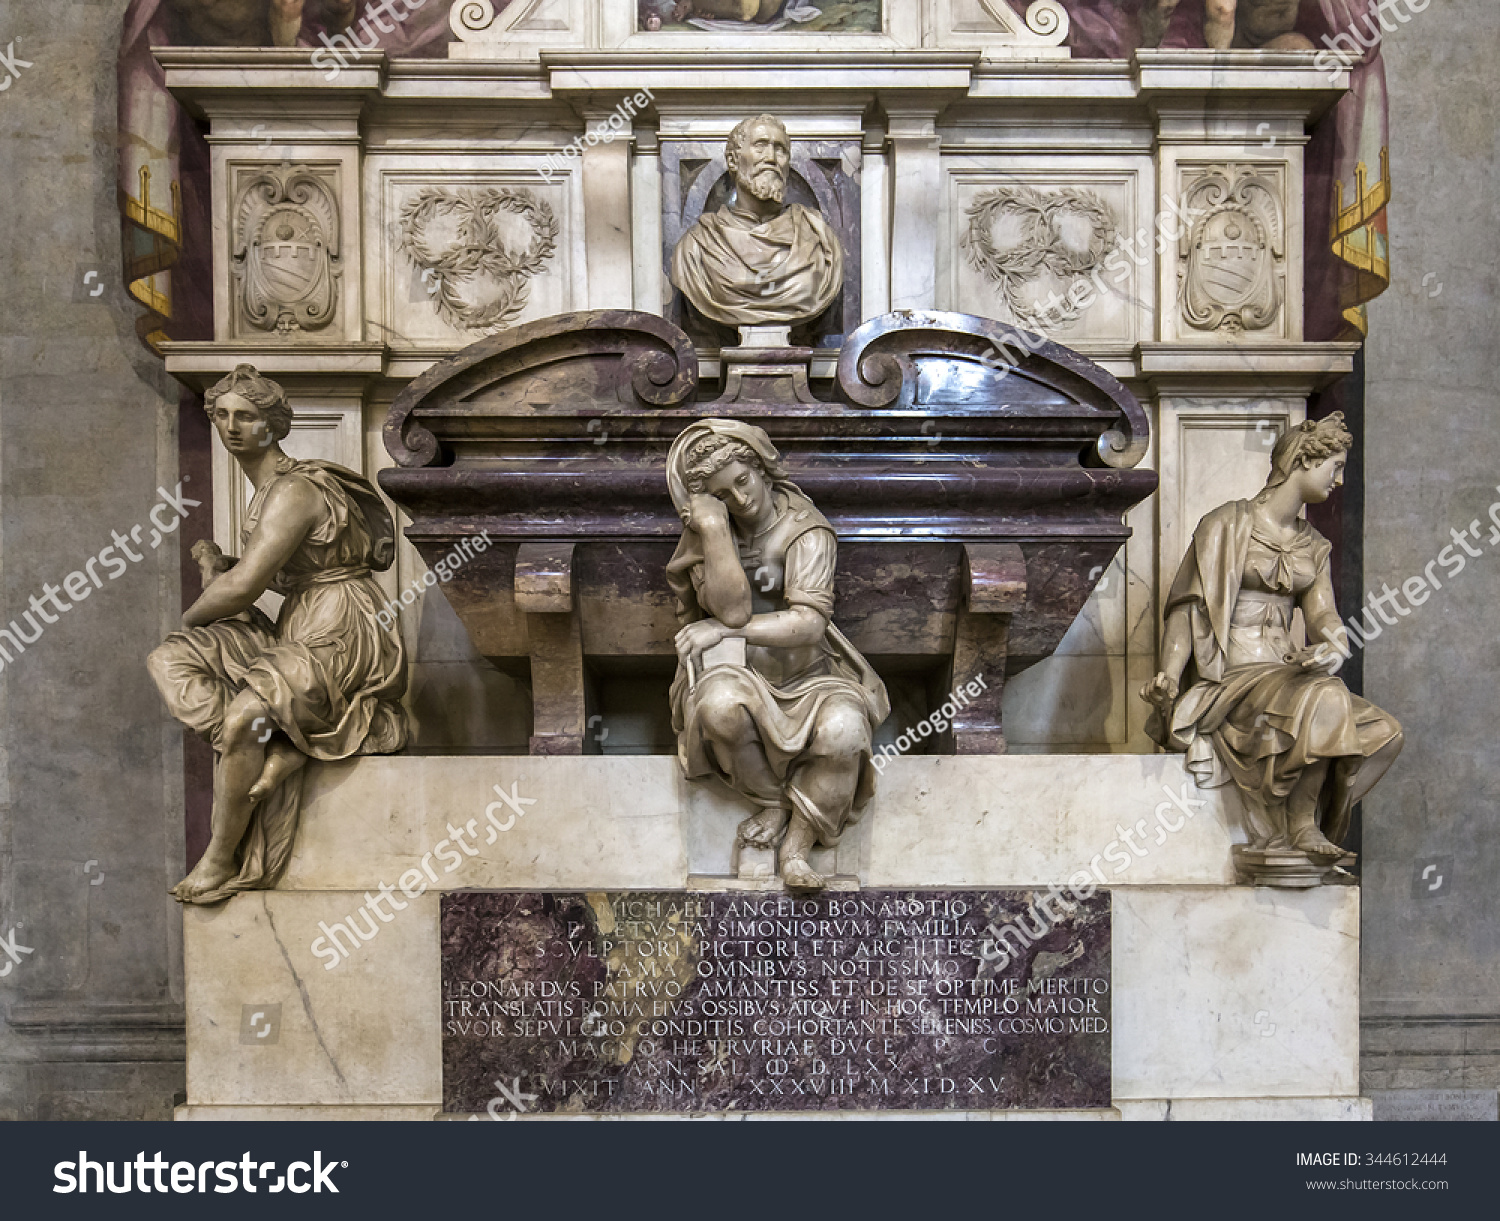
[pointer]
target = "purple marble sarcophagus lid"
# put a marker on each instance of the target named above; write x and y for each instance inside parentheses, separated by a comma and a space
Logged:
(666, 1001)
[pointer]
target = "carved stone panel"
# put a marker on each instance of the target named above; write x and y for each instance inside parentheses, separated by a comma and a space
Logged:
(1058, 253)
(1231, 268)
(469, 253)
(1027, 242)
(286, 249)
(989, 23)
(499, 29)
(477, 248)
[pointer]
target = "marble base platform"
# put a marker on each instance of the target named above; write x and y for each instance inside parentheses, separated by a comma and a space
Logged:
(1229, 1001)
(1150, 1110)
(295, 1113)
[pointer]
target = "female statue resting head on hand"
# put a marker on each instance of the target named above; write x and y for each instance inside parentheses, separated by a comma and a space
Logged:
(790, 727)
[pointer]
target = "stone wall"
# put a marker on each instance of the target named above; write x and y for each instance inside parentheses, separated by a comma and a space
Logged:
(1431, 973)
(91, 789)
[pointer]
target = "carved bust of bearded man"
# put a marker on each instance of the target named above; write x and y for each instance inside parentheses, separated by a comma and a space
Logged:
(758, 261)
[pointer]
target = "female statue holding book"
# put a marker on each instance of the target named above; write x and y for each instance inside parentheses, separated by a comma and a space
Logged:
(323, 682)
(790, 725)
(1236, 692)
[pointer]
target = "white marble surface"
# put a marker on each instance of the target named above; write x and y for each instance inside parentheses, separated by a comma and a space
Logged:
(365, 1033)
(633, 821)
(1229, 1002)
(193, 1113)
(596, 822)
(916, 168)
(1265, 1110)
(1222, 992)
(1236, 992)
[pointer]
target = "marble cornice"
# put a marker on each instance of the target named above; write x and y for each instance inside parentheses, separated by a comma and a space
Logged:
(1187, 96)
(1180, 82)
(204, 79)
(1166, 368)
(334, 368)
(771, 72)
(1201, 368)
(73, 1031)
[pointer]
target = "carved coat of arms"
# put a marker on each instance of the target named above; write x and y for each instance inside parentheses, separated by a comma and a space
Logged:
(1231, 268)
(478, 248)
(286, 250)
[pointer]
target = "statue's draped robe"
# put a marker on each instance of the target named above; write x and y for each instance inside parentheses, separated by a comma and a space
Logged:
(330, 675)
(1244, 714)
(784, 270)
(785, 691)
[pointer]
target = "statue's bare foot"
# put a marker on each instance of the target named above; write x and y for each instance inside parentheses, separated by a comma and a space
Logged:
(1313, 842)
(799, 875)
(207, 876)
(282, 760)
(764, 830)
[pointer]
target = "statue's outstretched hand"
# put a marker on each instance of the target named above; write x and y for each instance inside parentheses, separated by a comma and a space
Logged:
(1161, 693)
(210, 560)
(1325, 657)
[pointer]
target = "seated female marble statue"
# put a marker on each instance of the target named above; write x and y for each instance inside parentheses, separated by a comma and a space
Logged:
(1256, 709)
(789, 727)
(323, 682)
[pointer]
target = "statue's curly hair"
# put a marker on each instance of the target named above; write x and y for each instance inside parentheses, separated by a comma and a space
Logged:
(711, 455)
(1308, 444)
(260, 392)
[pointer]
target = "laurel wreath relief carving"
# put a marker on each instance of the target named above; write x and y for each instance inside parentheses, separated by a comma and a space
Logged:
(1034, 246)
(479, 280)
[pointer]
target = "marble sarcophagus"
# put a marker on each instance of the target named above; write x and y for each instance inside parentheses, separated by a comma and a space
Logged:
(977, 478)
